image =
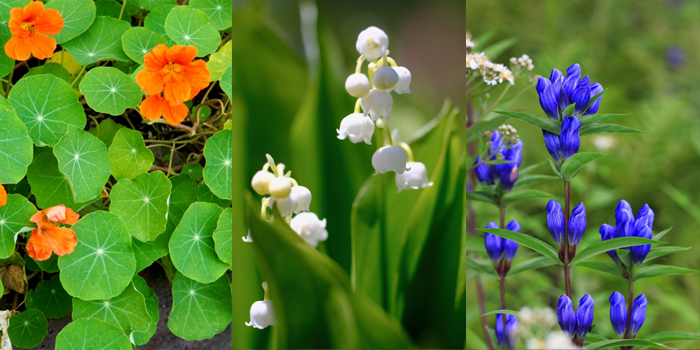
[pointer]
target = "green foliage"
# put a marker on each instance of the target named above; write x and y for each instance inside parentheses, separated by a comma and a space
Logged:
(15, 147)
(83, 158)
(138, 41)
(199, 310)
(28, 329)
(102, 41)
(142, 204)
(108, 90)
(50, 297)
(14, 217)
(573, 164)
(126, 311)
(128, 155)
(77, 16)
(92, 333)
(217, 171)
(188, 26)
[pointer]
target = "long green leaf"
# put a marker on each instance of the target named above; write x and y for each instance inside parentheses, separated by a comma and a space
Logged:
(481, 267)
(610, 344)
(611, 244)
(662, 251)
(534, 263)
(572, 165)
(661, 270)
(596, 118)
(597, 128)
(529, 169)
(533, 179)
(495, 50)
(661, 234)
(528, 241)
(519, 195)
(541, 122)
(664, 337)
(606, 267)
(482, 196)
(483, 125)
(592, 338)
(509, 312)
(555, 168)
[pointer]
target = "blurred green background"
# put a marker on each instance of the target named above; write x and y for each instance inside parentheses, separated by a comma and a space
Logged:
(646, 54)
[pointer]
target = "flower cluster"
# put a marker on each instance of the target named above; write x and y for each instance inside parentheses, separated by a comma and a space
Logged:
(30, 28)
(501, 251)
(574, 228)
(575, 324)
(505, 148)
(50, 236)
(262, 312)
(495, 73)
(507, 335)
(627, 226)
(618, 314)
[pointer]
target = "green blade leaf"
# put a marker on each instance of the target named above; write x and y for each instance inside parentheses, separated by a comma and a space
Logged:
(126, 311)
(493, 51)
(142, 204)
(593, 99)
(528, 241)
(611, 244)
(482, 196)
(481, 267)
(574, 164)
(50, 297)
(188, 26)
(533, 179)
(199, 310)
(596, 118)
(660, 235)
(77, 16)
(661, 270)
(665, 337)
(16, 148)
(662, 251)
(142, 337)
(91, 333)
(545, 123)
(555, 168)
(495, 312)
(614, 343)
(222, 236)
(101, 42)
(14, 216)
(606, 267)
(519, 195)
(49, 185)
(596, 128)
(218, 151)
(138, 41)
(108, 90)
(28, 329)
(592, 338)
(483, 125)
(569, 111)
(84, 159)
(534, 263)
(128, 155)
(220, 12)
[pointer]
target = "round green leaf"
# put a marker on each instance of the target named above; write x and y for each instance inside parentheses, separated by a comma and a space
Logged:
(50, 68)
(183, 193)
(15, 147)
(142, 337)
(84, 159)
(7, 5)
(109, 8)
(50, 265)
(219, 12)
(199, 310)
(126, 311)
(192, 247)
(218, 151)
(222, 236)
(103, 263)
(138, 41)
(50, 297)
(204, 194)
(77, 15)
(142, 204)
(28, 329)
(152, 4)
(106, 130)
(102, 41)
(14, 216)
(128, 155)
(91, 333)
(108, 90)
(227, 81)
(148, 252)
(49, 185)
(188, 26)
(220, 61)
(155, 21)
(6, 63)
(194, 170)
(48, 106)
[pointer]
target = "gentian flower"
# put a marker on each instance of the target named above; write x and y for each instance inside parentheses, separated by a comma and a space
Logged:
(49, 236)
(310, 228)
(566, 316)
(569, 139)
(551, 142)
(509, 173)
(639, 252)
(627, 226)
(511, 247)
(555, 221)
(646, 215)
(493, 243)
(639, 313)
(511, 152)
(595, 89)
(357, 127)
(414, 178)
(390, 158)
(549, 97)
(618, 312)
(3, 196)
(581, 96)
(584, 316)
(624, 220)
(262, 313)
(571, 82)
(577, 224)
(30, 28)
(558, 92)
(508, 337)
(483, 172)
(608, 232)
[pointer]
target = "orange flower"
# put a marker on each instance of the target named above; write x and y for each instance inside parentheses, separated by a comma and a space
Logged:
(49, 236)
(172, 73)
(29, 28)
(3, 196)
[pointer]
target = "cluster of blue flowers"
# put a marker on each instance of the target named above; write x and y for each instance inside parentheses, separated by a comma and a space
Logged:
(576, 225)
(501, 251)
(507, 336)
(576, 324)
(508, 151)
(618, 313)
(627, 226)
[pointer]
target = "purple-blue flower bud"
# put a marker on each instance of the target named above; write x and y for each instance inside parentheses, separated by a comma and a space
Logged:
(555, 220)
(577, 224)
(566, 315)
(515, 153)
(595, 89)
(608, 232)
(507, 338)
(483, 172)
(584, 316)
(556, 76)
(581, 96)
(646, 215)
(493, 243)
(624, 220)
(496, 144)
(618, 312)
(551, 141)
(548, 99)
(511, 247)
(573, 76)
(639, 313)
(639, 252)
(508, 178)
(569, 138)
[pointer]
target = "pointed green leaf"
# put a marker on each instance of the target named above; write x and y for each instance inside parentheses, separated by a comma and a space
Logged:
(138, 41)
(108, 90)
(77, 16)
(128, 155)
(155, 21)
(533, 179)
(188, 26)
(15, 147)
(606, 267)
(91, 333)
(596, 118)
(614, 343)
(592, 338)
(483, 125)
(528, 241)
(14, 216)
(102, 41)
(28, 329)
(611, 244)
(199, 310)
(106, 130)
(142, 337)
(659, 235)
(574, 164)
(222, 236)
(569, 111)
(596, 128)
(662, 251)
(50, 297)
(218, 152)
(534, 263)
(545, 123)
(519, 195)
(219, 12)
(83, 158)
(495, 312)
(481, 196)
(142, 204)
(481, 267)
(661, 270)
(49, 185)
(665, 337)
(126, 311)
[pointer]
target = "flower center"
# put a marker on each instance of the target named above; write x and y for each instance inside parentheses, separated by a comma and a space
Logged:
(172, 72)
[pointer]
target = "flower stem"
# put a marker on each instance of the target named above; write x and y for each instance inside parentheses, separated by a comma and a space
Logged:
(628, 330)
(387, 135)
(357, 106)
(503, 275)
(122, 10)
(567, 272)
(408, 150)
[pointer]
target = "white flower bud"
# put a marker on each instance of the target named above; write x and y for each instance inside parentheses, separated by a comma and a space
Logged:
(389, 158)
(280, 187)
(415, 178)
(310, 228)
(262, 314)
(261, 182)
(377, 104)
(402, 87)
(358, 127)
(372, 42)
(286, 205)
(385, 78)
(303, 197)
(357, 85)
(248, 239)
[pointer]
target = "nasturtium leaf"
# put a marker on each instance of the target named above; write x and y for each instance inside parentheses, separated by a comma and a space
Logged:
(220, 12)
(138, 41)
(102, 264)
(128, 155)
(192, 247)
(84, 159)
(218, 151)
(91, 333)
(204, 194)
(50, 68)
(67, 61)
(102, 41)
(142, 337)
(48, 106)
(6, 63)
(222, 236)
(50, 265)
(199, 310)
(227, 81)
(109, 90)
(183, 193)
(220, 61)
(77, 15)
(14, 216)
(31, 265)
(106, 130)
(28, 329)
(155, 21)
(188, 26)
(150, 5)
(7, 5)
(142, 204)
(126, 311)
(148, 252)
(109, 8)
(194, 170)
(49, 185)
(16, 147)
(50, 297)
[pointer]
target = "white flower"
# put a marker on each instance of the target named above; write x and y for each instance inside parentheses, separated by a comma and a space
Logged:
(415, 178)
(389, 158)
(248, 239)
(262, 314)
(261, 182)
(372, 42)
(280, 187)
(357, 85)
(404, 80)
(377, 104)
(286, 205)
(470, 43)
(385, 78)
(560, 340)
(310, 228)
(603, 142)
(358, 127)
(303, 197)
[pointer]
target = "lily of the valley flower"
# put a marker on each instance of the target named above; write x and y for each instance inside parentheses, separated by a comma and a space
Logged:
(310, 228)
(262, 313)
(372, 42)
(402, 87)
(3, 196)
(357, 85)
(30, 28)
(390, 158)
(385, 78)
(416, 177)
(357, 127)
(303, 197)
(377, 104)
(261, 182)
(50, 236)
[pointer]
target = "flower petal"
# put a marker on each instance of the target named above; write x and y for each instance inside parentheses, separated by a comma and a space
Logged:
(49, 22)
(151, 82)
(38, 246)
(3, 196)
(62, 240)
(182, 55)
(38, 218)
(156, 60)
(18, 49)
(196, 75)
(57, 213)
(42, 46)
(176, 93)
(71, 217)
(32, 11)
(175, 114)
(152, 107)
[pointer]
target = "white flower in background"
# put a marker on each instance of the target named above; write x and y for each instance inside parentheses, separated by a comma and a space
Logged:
(310, 228)
(357, 85)
(261, 182)
(248, 239)
(390, 158)
(357, 127)
(286, 205)
(470, 43)
(377, 104)
(523, 61)
(280, 187)
(402, 87)
(555, 340)
(415, 178)
(262, 313)
(372, 42)
(604, 142)
(302, 195)
(502, 72)
(385, 78)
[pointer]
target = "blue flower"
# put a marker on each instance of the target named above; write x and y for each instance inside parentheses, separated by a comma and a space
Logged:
(509, 172)
(584, 316)
(557, 93)
(511, 247)
(555, 220)
(549, 98)
(494, 244)
(582, 95)
(569, 139)
(566, 316)
(505, 172)
(483, 172)
(577, 224)
(646, 215)
(639, 252)
(608, 232)
(573, 75)
(595, 89)
(551, 141)
(624, 220)
(618, 312)
(507, 338)
(639, 313)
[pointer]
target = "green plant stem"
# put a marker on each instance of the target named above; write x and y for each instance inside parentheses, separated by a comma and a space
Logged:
(381, 208)
(628, 330)
(567, 269)
(78, 76)
(122, 10)
(503, 275)
(168, 267)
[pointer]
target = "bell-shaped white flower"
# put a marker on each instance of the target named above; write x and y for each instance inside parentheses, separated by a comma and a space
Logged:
(402, 87)
(310, 228)
(372, 42)
(385, 78)
(390, 158)
(357, 85)
(415, 178)
(286, 205)
(357, 127)
(261, 182)
(248, 239)
(280, 187)
(262, 314)
(303, 197)
(377, 104)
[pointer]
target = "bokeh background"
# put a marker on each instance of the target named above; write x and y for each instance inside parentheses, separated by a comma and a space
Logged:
(646, 54)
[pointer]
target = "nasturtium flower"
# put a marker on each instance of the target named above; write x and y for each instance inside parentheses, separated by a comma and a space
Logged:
(310, 228)
(618, 312)
(584, 316)
(416, 177)
(577, 224)
(156, 106)
(372, 42)
(357, 127)
(555, 221)
(509, 336)
(30, 28)
(639, 313)
(50, 236)
(3, 196)
(566, 316)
